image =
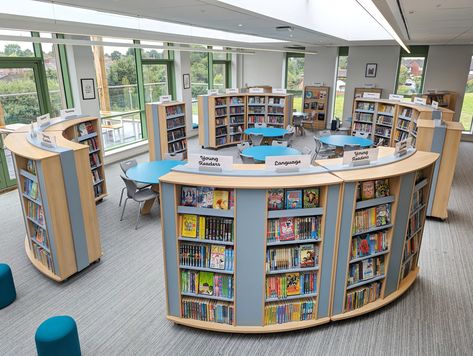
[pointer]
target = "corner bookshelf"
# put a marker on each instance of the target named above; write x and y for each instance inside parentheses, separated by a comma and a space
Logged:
(446, 99)
(364, 117)
(385, 120)
(167, 131)
(316, 104)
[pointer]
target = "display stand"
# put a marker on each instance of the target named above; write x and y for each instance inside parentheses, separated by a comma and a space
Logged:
(316, 106)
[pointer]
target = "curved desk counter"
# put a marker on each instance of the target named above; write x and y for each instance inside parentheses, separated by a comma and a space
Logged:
(344, 244)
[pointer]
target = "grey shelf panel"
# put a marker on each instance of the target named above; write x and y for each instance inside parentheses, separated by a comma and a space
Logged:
(409, 258)
(402, 117)
(292, 270)
(386, 137)
(178, 139)
(401, 129)
(416, 210)
(86, 137)
(373, 202)
(384, 113)
(276, 113)
(236, 124)
(98, 182)
(237, 114)
(225, 125)
(94, 151)
(205, 269)
(36, 222)
(374, 229)
(235, 133)
(220, 106)
(421, 184)
(286, 213)
(222, 135)
(205, 211)
(175, 116)
(95, 167)
(28, 175)
(175, 127)
(364, 122)
(36, 201)
(367, 281)
(236, 105)
(414, 233)
(179, 151)
(364, 111)
(291, 297)
(292, 242)
(211, 297)
(275, 124)
(40, 245)
(358, 259)
(390, 126)
(254, 104)
(209, 242)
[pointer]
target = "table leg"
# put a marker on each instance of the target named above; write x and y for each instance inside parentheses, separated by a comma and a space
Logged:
(148, 205)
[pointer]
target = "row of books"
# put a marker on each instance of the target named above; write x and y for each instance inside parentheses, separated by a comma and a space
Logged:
(275, 110)
(279, 198)
(256, 100)
(367, 118)
(207, 227)
(41, 236)
(314, 106)
(294, 228)
(85, 128)
(406, 112)
(316, 94)
(256, 110)
(279, 120)
(221, 131)
(237, 110)
(415, 222)
(362, 127)
(176, 122)
(177, 146)
(417, 199)
(365, 106)
(207, 283)
(220, 121)
(386, 108)
(30, 188)
(174, 110)
(213, 256)
(96, 176)
(302, 256)
(35, 211)
(92, 143)
(31, 166)
(207, 197)
(255, 119)
(360, 297)
(42, 255)
(239, 119)
(220, 111)
(276, 101)
(401, 135)
(219, 141)
(237, 100)
(284, 312)
(291, 284)
(207, 310)
(366, 219)
(220, 101)
(368, 244)
(383, 131)
(366, 269)
(407, 267)
(176, 134)
(385, 120)
(236, 129)
(371, 189)
(94, 159)
(236, 138)
(403, 124)
(412, 246)
(98, 190)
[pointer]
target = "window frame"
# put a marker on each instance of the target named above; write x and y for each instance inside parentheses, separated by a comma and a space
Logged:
(288, 56)
(416, 51)
(228, 69)
(342, 52)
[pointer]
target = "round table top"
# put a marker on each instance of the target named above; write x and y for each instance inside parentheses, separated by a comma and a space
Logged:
(150, 172)
(266, 131)
(259, 153)
(342, 140)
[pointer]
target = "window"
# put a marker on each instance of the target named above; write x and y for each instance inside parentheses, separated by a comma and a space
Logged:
(340, 83)
(49, 53)
(466, 116)
(410, 78)
(220, 65)
(199, 79)
(295, 77)
(16, 49)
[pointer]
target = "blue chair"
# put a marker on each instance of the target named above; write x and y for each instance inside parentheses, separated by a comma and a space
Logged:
(57, 336)
(7, 286)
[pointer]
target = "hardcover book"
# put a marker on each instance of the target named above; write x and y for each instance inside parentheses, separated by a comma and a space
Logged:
(367, 268)
(206, 283)
(383, 216)
(189, 225)
(382, 188)
(311, 198)
(307, 256)
(293, 199)
(205, 197)
(287, 229)
(220, 200)
(293, 286)
(367, 190)
(276, 199)
(217, 257)
(189, 196)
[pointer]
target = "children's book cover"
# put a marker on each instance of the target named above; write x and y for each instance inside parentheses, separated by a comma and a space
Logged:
(217, 257)
(220, 200)
(293, 286)
(368, 268)
(205, 197)
(383, 215)
(287, 229)
(189, 225)
(367, 190)
(382, 188)
(293, 199)
(189, 196)
(276, 199)
(311, 198)
(307, 256)
(206, 283)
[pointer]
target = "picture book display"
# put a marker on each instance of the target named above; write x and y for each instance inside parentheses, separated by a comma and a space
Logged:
(293, 199)
(217, 257)
(365, 245)
(366, 219)
(372, 189)
(365, 269)
(207, 284)
(207, 197)
(280, 199)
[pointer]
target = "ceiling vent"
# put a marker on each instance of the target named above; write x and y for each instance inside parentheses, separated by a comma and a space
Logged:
(295, 47)
(285, 28)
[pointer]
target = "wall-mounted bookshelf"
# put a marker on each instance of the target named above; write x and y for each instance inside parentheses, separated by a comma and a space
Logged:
(316, 106)
(167, 133)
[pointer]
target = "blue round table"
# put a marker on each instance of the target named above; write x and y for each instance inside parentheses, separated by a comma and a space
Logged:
(150, 172)
(267, 131)
(259, 153)
(342, 140)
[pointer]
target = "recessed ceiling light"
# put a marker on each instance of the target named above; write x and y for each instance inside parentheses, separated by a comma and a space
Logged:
(291, 35)
(240, 25)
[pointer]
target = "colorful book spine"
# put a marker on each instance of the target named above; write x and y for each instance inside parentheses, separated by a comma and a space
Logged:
(207, 310)
(284, 312)
(277, 286)
(365, 270)
(291, 257)
(222, 285)
(362, 296)
(368, 244)
(303, 228)
(193, 255)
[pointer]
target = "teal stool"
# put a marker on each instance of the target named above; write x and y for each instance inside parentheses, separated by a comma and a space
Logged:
(7, 286)
(57, 336)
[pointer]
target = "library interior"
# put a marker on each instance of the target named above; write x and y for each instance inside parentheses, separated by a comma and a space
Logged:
(236, 177)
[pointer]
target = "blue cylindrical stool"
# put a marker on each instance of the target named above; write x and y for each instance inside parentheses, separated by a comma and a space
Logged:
(58, 336)
(7, 286)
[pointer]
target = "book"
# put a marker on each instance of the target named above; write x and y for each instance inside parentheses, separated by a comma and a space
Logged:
(276, 199)
(383, 216)
(293, 286)
(220, 200)
(217, 257)
(367, 190)
(307, 256)
(205, 197)
(287, 229)
(206, 283)
(311, 198)
(367, 268)
(189, 225)
(189, 196)
(293, 199)
(382, 188)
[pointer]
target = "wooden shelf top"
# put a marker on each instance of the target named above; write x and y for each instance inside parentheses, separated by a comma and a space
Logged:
(64, 125)
(19, 145)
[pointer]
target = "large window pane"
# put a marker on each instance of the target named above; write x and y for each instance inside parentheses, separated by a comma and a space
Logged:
(466, 116)
(295, 78)
(340, 87)
(219, 76)
(153, 53)
(199, 79)
(155, 78)
(411, 72)
(16, 49)
(52, 76)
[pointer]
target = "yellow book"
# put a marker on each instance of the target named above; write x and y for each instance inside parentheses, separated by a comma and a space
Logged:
(220, 199)
(189, 225)
(201, 227)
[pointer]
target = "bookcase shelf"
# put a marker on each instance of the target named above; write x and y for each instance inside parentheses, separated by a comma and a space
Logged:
(229, 213)
(293, 270)
(211, 297)
(292, 242)
(373, 202)
(373, 229)
(291, 297)
(87, 136)
(28, 175)
(358, 259)
(205, 269)
(315, 105)
(204, 241)
(272, 214)
(364, 282)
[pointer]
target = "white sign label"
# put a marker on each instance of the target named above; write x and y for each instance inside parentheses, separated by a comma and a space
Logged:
(279, 91)
(435, 104)
(43, 120)
(212, 92)
(69, 112)
(211, 162)
(319, 84)
(359, 157)
(47, 140)
(287, 163)
(165, 98)
(232, 91)
(256, 90)
(371, 95)
(369, 85)
(396, 97)
(420, 101)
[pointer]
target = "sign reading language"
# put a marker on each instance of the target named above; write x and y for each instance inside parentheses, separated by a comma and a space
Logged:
(211, 162)
(287, 163)
(43, 120)
(360, 157)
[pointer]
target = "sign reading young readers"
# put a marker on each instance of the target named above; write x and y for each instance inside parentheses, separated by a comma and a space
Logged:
(165, 98)
(371, 95)
(396, 97)
(47, 140)
(287, 163)
(360, 157)
(65, 113)
(435, 104)
(43, 120)
(279, 91)
(231, 91)
(212, 92)
(420, 101)
(256, 90)
(212, 163)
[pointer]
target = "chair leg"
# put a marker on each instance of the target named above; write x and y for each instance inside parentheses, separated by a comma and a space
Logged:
(123, 210)
(121, 196)
(138, 217)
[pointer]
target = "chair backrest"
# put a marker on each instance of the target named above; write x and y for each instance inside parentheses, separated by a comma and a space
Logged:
(174, 156)
(288, 136)
(290, 128)
(260, 124)
(351, 147)
(318, 147)
(361, 134)
(131, 187)
(126, 165)
(324, 133)
(256, 139)
(247, 159)
(279, 143)
(243, 145)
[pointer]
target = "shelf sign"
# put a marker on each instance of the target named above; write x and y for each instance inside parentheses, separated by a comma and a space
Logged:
(256, 90)
(420, 101)
(211, 163)
(369, 85)
(367, 95)
(46, 140)
(401, 148)
(65, 113)
(396, 97)
(165, 98)
(279, 91)
(287, 163)
(319, 84)
(212, 92)
(435, 104)
(231, 91)
(360, 157)
(43, 120)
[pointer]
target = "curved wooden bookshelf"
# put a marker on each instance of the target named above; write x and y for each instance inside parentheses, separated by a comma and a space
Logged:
(38, 265)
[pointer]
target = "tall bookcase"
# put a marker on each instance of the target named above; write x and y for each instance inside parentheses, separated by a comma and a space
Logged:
(364, 117)
(316, 105)
(167, 131)
(57, 199)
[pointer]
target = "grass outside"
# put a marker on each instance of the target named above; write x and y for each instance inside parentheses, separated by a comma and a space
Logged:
(467, 111)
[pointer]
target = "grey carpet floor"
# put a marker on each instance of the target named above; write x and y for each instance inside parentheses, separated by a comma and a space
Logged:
(119, 303)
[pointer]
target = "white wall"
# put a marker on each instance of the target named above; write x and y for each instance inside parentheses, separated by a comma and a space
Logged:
(447, 69)
(263, 68)
(386, 57)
